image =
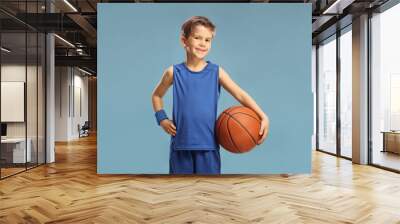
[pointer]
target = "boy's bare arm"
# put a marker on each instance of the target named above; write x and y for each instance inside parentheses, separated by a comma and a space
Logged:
(161, 88)
(238, 93)
(245, 99)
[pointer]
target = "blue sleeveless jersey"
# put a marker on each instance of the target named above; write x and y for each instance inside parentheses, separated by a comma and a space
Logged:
(195, 102)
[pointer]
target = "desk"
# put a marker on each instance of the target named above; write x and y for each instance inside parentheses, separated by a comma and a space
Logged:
(15, 148)
(391, 141)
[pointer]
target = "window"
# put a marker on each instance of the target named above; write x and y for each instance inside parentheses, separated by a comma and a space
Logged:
(346, 75)
(327, 95)
(385, 88)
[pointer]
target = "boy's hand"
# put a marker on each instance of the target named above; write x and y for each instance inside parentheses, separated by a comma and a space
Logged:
(263, 130)
(168, 126)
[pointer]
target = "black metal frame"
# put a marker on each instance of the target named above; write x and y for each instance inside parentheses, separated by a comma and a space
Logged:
(369, 83)
(45, 91)
(316, 98)
(338, 98)
(26, 88)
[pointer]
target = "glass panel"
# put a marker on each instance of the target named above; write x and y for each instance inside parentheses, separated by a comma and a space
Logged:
(31, 100)
(386, 89)
(41, 99)
(22, 88)
(31, 84)
(327, 95)
(13, 87)
(346, 93)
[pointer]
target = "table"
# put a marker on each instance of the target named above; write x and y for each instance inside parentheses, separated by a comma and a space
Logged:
(391, 141)
(15, 148)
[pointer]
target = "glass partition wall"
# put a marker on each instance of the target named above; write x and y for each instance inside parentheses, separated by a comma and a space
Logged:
(385, 89)
(326, 60)
(334, 94)
(346, 75)
(334, 90)
(22, 88)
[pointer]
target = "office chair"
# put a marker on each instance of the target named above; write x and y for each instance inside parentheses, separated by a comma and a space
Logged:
(84, 130)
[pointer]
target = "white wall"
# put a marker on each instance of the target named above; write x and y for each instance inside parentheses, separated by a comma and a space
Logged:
(61, 103)
(81, 114)
(71, 87)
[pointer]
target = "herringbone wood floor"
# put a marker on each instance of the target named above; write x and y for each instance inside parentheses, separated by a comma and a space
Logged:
(70, 191)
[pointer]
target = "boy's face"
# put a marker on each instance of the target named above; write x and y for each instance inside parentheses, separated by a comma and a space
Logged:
(198, 44)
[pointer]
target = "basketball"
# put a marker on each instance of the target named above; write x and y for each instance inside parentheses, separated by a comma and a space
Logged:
(237, 129)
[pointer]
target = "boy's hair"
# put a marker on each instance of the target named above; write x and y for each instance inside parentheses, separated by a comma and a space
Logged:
(189, 24)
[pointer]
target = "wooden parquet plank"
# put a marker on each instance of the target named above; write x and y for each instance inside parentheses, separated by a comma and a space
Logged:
(70, 191)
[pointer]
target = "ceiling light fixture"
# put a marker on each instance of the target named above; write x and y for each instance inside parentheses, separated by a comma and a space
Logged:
(70, 5)
(329, 9)
(64, 40)
(86, 72)
(337, 7)
(5, 49)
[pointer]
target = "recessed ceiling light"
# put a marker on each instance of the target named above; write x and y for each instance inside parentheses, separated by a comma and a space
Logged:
(5, 49)
(337, 7)
(84, 71)
(70, 5)
(64, 40)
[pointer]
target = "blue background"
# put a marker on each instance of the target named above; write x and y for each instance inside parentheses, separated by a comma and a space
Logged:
(266, 48)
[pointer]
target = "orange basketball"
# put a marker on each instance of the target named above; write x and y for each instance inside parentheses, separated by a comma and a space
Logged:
(237, 129)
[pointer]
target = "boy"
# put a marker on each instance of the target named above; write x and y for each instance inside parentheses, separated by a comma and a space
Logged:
(196, 88)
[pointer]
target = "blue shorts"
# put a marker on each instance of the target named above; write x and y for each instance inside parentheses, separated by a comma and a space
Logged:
(194, 162)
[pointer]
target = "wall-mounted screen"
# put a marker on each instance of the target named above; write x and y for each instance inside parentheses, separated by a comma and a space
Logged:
(12, 101)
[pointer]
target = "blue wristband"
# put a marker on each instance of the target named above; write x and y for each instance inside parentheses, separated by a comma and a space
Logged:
(161, 115)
